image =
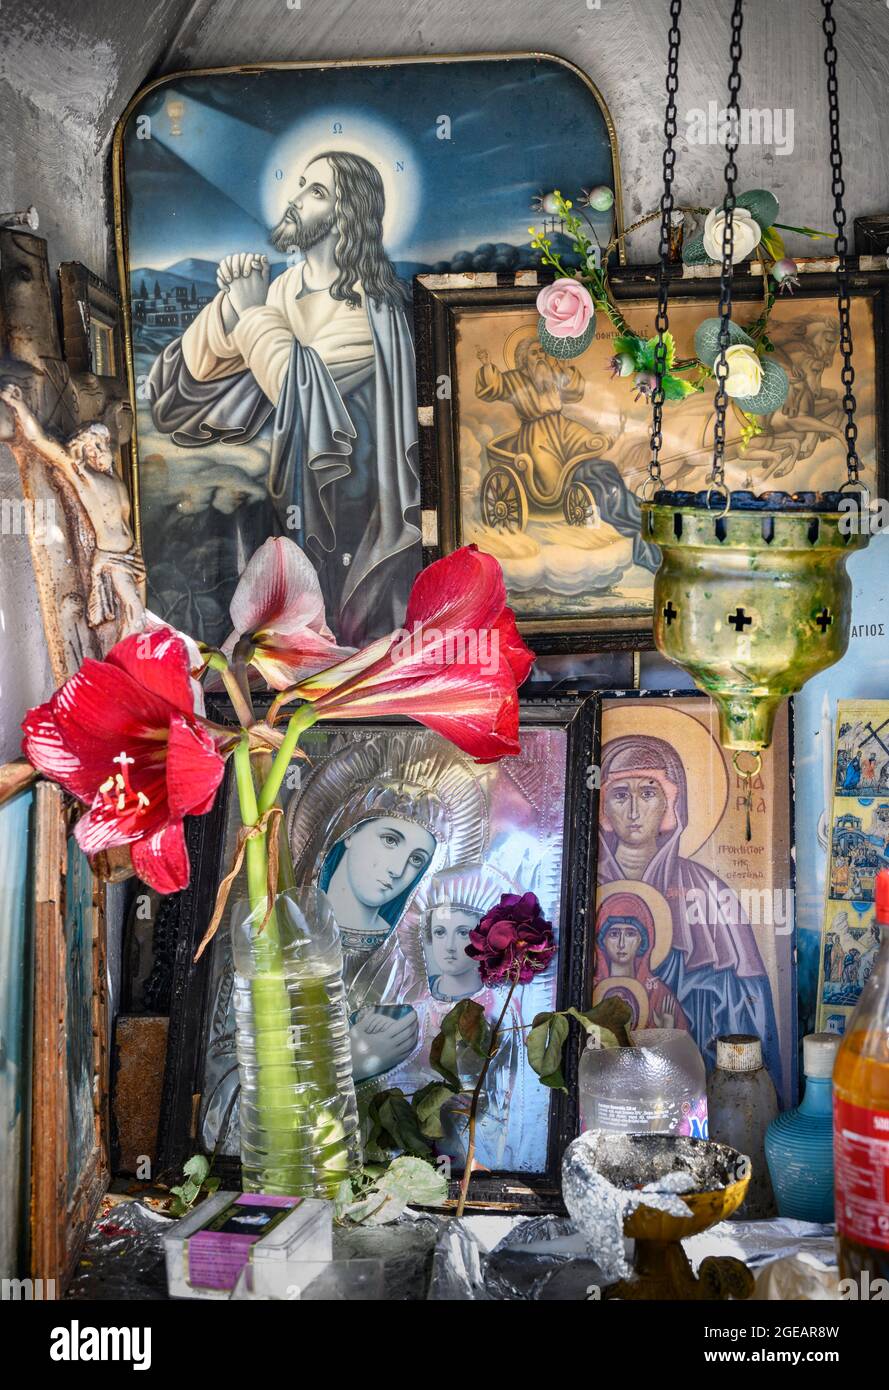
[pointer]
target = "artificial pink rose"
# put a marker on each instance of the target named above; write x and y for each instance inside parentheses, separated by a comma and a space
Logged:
(566, 308)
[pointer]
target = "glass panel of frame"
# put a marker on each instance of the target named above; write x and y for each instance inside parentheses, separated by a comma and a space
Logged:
(413, 843)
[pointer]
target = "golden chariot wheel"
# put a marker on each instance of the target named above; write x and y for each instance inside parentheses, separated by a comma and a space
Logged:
(579, 504)
(504, 504)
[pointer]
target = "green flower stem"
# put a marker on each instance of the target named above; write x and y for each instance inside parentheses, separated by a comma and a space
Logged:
(297, 1081)
(810, 232)
(303, 719)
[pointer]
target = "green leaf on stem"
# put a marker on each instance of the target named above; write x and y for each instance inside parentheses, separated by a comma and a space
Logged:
(428, 1104)
(648, 361)
(406, 1180)
(761, 204)
(443, 1056)
(632, 344)
(393, 1124)
(464, 1022)
(197, 1167)
(545, 1043)
(472, 1025)
(773, 244)
(676, 388)
(611, 1016)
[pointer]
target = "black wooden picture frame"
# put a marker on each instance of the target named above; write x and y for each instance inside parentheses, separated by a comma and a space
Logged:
(438, 302)
(790, 1033)
(192, 1003)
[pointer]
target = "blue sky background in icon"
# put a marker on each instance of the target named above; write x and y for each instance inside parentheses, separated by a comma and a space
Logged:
(223, 153)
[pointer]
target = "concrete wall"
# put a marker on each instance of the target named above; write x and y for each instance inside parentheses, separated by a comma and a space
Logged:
(68, 67)
(66, 72)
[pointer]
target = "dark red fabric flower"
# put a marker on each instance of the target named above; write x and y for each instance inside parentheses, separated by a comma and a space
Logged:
(121, 735)
(513, 941)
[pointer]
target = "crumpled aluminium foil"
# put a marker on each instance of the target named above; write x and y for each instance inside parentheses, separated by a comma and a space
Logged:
(599, 1208)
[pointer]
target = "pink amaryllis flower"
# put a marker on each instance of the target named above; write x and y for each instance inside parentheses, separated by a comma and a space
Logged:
(278, 608)
(122, 736)
(455, 666)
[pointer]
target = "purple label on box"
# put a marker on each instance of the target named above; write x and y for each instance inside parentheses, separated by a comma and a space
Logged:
(215, 1256)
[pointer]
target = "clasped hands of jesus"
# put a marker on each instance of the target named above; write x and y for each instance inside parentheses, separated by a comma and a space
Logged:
(244, 279)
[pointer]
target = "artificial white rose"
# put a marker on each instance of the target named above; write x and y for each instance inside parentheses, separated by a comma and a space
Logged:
(746, 234)
(744, 371)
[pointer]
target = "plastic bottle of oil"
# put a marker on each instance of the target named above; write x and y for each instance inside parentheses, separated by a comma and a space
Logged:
(861, 1119)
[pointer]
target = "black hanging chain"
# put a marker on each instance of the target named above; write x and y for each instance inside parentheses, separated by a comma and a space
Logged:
(662, 320)
(716, 477)
(841, 245)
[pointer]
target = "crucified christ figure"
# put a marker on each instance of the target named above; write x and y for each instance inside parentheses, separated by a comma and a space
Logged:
(86, 462)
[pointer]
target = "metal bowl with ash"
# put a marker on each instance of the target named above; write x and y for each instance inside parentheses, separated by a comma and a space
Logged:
(656, 1189)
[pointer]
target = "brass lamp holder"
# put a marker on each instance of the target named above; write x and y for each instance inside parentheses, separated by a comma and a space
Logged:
(752, 597)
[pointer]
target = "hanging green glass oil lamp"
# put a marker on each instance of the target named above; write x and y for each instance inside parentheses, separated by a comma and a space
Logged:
(752, 597)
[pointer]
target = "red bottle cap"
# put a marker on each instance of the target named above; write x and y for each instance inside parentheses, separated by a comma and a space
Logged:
(882, 896)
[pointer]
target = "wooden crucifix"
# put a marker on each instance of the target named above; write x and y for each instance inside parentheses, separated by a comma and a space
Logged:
(69, 429)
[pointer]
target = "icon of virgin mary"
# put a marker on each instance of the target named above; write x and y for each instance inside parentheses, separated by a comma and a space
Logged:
(648, 828)
(634, 933)
(375, 818)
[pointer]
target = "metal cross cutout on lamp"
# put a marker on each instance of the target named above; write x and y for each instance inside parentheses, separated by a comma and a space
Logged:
(752, 597)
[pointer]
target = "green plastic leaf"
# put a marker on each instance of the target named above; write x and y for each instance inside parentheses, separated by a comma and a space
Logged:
(707, 339)
(428, 1103)
(625, 343)
(811, 232)
(761, 204)
(545, 1042)
(676, 388)
(565, 348)
(773, 244)
(649, 354)
(772, 393)
(693, 252)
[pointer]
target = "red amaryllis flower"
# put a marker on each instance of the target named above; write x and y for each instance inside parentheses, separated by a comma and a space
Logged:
(121, 735)
(513, 942)
(278, 607)
(455, 666)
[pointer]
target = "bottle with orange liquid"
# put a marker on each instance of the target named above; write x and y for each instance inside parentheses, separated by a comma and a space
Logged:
(861, 1119)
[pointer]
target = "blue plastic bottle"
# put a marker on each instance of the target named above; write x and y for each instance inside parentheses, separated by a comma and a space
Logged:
(799, 1143)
